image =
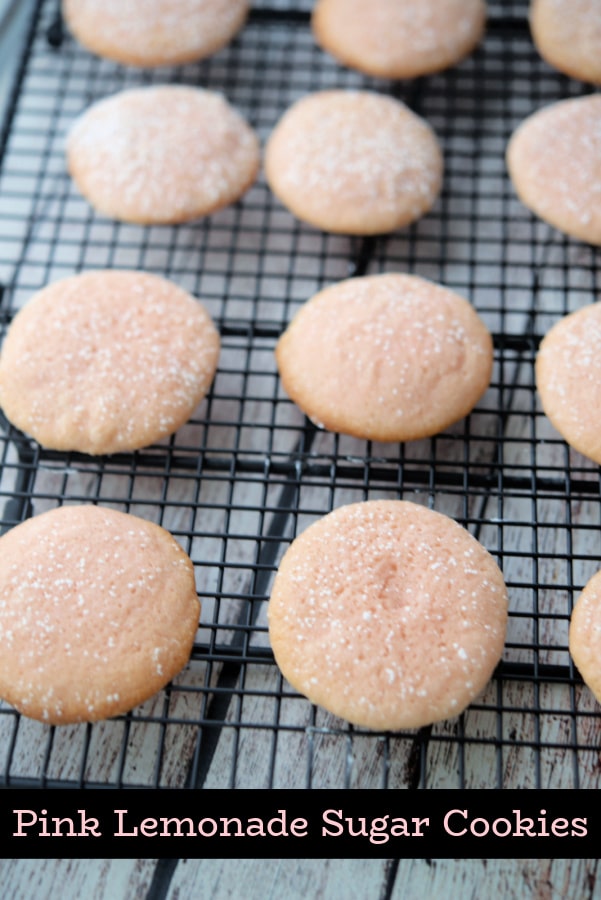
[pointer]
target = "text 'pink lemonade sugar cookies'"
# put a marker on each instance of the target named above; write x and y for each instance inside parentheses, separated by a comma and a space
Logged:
(398, 38)
(554, 160)
(390, 357)
(585, 635)
(354, 162)
(125, 359)
(568, 379)
(98, 612)
(567, 34)
(162, 154)
(157, 33)
(388, 615)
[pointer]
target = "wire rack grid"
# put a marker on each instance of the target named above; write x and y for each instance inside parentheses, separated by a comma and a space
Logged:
(248, 471)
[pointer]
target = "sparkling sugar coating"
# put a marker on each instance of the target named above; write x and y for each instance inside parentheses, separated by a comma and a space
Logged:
(161, 32)
(98, 611)
(554, 160)
(390, 357)
(388, 615)
(354, 162)
(399, 38)
(107, 361)
(585, 634)
(162, 154)
(567, 34)
(568, 378)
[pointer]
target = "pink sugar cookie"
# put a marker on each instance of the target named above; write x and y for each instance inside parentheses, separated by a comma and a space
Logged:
(567, 34)
(585, 634)
(390, 357)
(162, 155)
(554, 160)
(354, 162)
(399, 38)
(568, 379)
(98, 612)
(125, 359)
(388, 615)
(156, 33)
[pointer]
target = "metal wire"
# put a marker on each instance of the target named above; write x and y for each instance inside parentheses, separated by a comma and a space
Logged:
(248, 471)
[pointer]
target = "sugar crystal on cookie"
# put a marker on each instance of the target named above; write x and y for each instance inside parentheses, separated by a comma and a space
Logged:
(163, 32)
(378, 670)
(386, 357)
(354, 162)
(162, 154)
(554, 160)
(398, 38)
(127, 358)
(79, 642)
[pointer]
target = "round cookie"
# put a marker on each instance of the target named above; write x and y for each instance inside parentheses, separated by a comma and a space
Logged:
(568, 379)
(162, 154)
(390, 357)
(98, 612)
(354, 162)
(125, 359)
(585, 634)
(567, 34)
(388, 615)
(163, 32)
(554, 160)
(399, 38)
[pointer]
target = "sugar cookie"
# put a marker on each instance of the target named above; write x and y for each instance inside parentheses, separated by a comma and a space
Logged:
(389, 357)
(554, 160)
(107, 361)
(98, 612)
(163, 32)
(568, 378)
(399, 38)
(388, 615)
(162, 154)
(567, 34)
(585, 634)
(354, 162)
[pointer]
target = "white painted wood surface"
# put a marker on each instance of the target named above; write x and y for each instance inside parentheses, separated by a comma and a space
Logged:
(271, 737)
(358, 879)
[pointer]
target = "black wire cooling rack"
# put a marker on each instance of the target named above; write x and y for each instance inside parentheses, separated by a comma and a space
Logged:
(248, 471)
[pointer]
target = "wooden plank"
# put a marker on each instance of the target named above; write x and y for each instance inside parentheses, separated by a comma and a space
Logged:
(329, 879)
(545, 879)
(71, 879)
(296, 879)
